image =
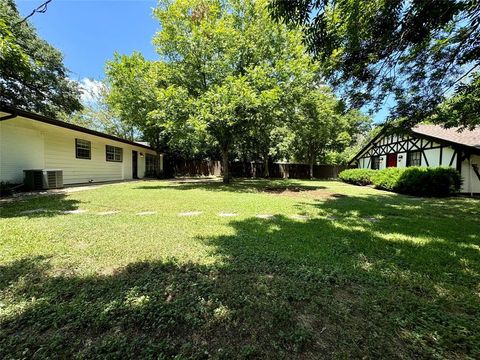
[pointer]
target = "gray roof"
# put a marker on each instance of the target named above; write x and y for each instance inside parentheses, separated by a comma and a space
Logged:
(466, 137)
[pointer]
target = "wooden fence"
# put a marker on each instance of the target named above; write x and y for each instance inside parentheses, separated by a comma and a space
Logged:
(255, 169)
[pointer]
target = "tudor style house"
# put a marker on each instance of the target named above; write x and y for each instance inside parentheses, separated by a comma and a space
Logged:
(426, 145)
(31, 142)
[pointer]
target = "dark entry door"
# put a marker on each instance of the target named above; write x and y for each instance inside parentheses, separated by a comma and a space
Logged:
(392, 160)
(134, 164)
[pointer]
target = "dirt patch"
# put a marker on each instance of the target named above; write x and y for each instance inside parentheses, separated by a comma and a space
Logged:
(295, 191)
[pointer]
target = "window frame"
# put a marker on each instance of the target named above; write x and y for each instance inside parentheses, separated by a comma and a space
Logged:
(116, 151)
(409, 160)
(372, 162)
(77, 156)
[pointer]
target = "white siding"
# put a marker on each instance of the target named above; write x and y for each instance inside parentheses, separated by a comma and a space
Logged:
(471, 183)
(30, 144)
(20, 148)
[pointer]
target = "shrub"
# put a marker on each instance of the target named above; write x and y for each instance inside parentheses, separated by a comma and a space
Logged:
(425, 181)
(387, 179)
(357, 176)
(418, 181)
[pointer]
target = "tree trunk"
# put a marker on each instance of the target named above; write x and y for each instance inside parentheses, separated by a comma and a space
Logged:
(266, 172)
(225, 165)
(311, 166)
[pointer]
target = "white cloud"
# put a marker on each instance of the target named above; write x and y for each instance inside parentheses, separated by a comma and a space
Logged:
(91, 90)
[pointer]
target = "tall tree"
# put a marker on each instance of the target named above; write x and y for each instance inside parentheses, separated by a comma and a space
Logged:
(413, 54)
(227, 53)
(98, 115)
(320, 126)
(225, 112)
(32, 74)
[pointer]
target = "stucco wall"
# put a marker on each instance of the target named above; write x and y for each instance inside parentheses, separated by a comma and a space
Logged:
(28, 144)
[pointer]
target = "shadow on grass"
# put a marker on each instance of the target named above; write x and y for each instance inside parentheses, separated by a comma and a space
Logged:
(238, 185)
(44, 206)
(284, 289)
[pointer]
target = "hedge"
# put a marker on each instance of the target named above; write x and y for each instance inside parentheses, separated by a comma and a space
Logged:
(418, 181)
(357, 176)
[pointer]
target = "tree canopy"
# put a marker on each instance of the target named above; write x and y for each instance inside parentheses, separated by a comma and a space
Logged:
(411, 54)
(32, 74)
(228, 78)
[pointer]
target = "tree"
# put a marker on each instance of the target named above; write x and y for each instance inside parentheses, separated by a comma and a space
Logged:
(222, 50)
(225, 112)
(97, 114)
(463, 109)
(321, 128)
(32, 74)
(412, 53)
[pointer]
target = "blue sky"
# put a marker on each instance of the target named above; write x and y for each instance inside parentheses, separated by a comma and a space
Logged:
(88, 32)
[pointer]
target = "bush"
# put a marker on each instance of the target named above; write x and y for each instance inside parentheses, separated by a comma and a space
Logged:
(418, 181)
(424, 181)
(357, 176)
(387, 179)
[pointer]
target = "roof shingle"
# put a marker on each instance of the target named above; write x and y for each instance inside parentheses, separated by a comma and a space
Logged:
(466, 137)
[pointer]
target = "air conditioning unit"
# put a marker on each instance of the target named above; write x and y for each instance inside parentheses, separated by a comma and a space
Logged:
(43, 179)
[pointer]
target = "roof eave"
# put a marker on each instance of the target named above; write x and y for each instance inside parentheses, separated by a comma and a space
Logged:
(14, 112)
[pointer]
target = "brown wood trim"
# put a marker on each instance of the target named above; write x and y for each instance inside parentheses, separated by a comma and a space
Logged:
(425, 157)
(453, 157)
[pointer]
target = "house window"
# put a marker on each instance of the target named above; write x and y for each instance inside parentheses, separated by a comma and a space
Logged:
(414, 158)
(151, 165)
(83, 149)
(114, 153)
(375, 162)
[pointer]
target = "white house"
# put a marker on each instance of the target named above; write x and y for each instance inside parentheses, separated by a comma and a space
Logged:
(31, 141)
(426, 145)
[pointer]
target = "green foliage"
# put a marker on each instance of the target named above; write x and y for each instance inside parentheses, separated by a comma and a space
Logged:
(388, 178)
(412, 53)
(418, 181)
(98, 115)
(32, 74)
(426, 181)
(463, 109)
(357, 176)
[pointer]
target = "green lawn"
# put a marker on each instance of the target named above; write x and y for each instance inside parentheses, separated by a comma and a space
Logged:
(339, 272)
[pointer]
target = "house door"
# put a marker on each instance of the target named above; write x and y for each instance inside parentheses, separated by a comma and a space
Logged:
(134, 164)
(392, 160)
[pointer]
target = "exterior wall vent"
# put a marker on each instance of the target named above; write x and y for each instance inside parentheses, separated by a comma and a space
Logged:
(42, 179)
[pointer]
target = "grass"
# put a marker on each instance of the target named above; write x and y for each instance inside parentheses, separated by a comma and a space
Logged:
(363, 274)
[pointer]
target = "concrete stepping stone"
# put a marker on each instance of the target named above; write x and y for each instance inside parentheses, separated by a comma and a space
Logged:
(299, 217)
(264, 216)
(371, 219)
(76, 211)
(222, 214)
(105, 213)
(190, 213)
(33, 211)
(332, 218)
(146, 213)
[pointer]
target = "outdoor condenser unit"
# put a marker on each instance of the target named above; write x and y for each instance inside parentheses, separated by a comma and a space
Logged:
(43, 179)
